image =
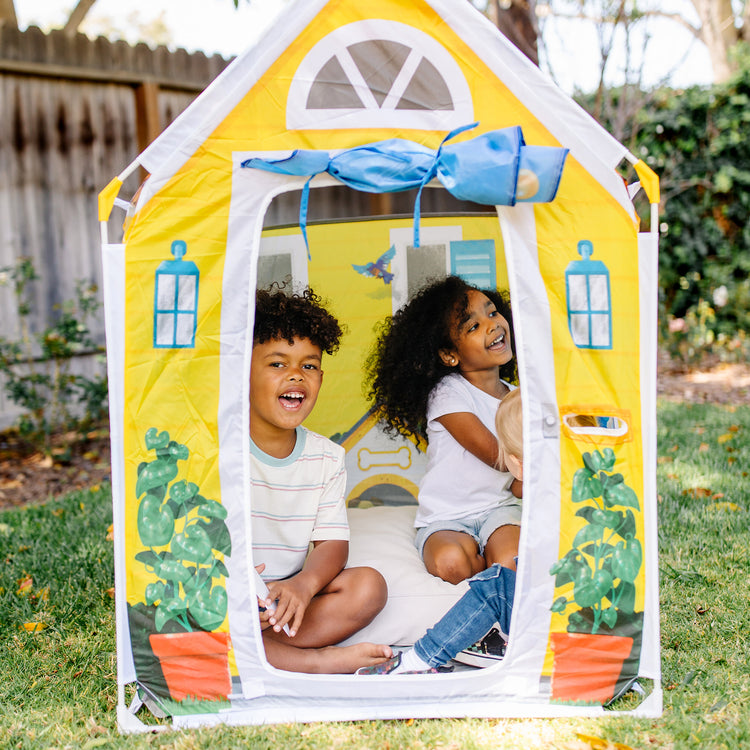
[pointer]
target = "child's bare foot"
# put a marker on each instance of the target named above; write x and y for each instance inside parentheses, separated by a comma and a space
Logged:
(324, 660)
(348, 659)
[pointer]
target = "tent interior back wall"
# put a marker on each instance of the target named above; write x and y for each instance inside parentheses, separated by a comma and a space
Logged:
(486, 170)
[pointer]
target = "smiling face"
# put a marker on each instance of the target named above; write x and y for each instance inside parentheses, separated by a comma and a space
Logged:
(285, 381)
(481, 337)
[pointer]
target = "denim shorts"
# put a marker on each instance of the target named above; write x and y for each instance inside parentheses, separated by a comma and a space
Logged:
(479, 528)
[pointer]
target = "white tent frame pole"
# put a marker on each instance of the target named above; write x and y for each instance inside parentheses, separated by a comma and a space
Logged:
(129, 169)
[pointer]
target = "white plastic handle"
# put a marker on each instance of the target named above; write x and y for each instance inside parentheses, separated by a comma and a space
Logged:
(262, 590)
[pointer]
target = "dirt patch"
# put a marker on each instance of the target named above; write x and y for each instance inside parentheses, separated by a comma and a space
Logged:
(28, 476)
(714, 383)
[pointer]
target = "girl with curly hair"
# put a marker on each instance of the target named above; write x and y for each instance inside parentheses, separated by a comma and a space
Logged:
(440, 367)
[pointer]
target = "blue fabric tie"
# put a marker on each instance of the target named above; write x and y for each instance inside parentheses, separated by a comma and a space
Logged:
(493, 169)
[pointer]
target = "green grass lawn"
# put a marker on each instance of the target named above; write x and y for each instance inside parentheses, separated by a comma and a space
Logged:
(58, 684)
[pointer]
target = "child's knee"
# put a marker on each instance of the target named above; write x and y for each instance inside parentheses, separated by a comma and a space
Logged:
(454, 565)
(377, 590)
(368, 591)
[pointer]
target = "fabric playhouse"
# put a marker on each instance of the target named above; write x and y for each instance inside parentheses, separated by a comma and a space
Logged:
(371, 100)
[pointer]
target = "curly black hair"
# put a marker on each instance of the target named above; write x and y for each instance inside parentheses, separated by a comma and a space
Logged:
(404, 365)
(282, 315)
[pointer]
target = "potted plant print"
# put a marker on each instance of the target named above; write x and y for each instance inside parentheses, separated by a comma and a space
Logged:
(187, 538)
(602, 565)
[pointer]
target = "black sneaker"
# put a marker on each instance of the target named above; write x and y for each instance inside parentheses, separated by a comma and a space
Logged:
(490, 650)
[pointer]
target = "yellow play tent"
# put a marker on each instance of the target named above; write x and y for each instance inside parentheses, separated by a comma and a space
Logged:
(513, 186)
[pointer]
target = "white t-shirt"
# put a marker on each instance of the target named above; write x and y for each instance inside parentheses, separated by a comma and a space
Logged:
(296, 500)
(457, 484)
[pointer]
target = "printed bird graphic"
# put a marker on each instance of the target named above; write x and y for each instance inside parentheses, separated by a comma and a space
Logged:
(378, 269)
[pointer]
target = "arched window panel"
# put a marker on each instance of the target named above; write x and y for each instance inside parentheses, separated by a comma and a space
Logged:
(379, 74)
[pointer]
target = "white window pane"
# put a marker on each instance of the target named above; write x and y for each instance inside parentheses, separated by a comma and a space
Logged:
(598, 291)
(165, 289)
(578, 298)
(186, 299)
(424, 263)
(185, 330)
(164, 329)
(600, 331)
(579, 329)
(274, 268)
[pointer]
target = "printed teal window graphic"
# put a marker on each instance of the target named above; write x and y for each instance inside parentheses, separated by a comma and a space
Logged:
(474, 262)
(176, 301)
(589, 300)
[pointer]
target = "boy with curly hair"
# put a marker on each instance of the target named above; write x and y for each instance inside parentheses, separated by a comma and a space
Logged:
(298, 482)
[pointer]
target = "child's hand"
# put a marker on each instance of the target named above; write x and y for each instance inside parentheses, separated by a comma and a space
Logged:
(264, 615)
(292, 599)
(263, 604)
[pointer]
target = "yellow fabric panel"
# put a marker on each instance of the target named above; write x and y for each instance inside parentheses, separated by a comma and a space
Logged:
(595, 378)
(649, 181)
(170, 389)
(107, 198)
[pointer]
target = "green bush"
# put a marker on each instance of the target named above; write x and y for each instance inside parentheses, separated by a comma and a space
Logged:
(696, 141)
(36, 368)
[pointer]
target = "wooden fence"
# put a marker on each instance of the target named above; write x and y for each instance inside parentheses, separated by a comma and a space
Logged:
(74, 113)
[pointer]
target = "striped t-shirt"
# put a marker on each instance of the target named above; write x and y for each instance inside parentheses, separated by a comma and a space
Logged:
(296, 500)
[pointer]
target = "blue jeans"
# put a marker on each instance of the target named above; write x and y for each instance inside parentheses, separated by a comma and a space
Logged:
(488, 600)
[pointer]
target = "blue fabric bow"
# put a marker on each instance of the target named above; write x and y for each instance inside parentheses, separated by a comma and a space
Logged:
(493, 169)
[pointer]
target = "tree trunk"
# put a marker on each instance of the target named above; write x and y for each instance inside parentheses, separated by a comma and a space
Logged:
(516, 19)
(8, 13)
(719, 34)
(77, 15)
